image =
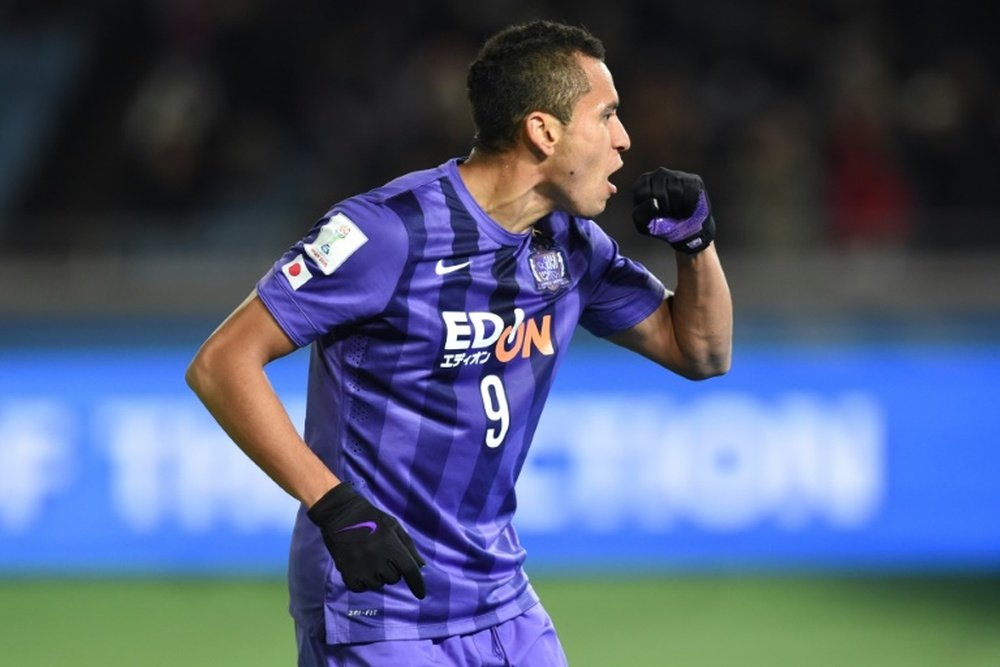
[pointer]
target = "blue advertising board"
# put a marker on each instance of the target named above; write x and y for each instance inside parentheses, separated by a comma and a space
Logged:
(874, 456)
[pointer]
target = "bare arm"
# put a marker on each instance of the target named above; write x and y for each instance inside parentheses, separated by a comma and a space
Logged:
(691, 333)
(228, 376)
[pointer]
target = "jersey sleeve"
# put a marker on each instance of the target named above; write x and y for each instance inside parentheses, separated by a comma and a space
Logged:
(622, 292)
(343, 271)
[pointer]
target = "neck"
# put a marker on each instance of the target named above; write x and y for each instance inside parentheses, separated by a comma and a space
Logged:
(506, 187)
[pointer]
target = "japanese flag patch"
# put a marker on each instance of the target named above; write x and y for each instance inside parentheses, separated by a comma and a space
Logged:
(297, 272)
(337, 240)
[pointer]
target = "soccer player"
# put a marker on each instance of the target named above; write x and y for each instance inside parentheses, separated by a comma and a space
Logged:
(438, 308)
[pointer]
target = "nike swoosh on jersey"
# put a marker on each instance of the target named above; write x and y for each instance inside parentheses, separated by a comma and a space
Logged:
(442, 269)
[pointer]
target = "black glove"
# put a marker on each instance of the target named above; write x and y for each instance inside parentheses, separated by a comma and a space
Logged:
(369, 547)
(673, 206)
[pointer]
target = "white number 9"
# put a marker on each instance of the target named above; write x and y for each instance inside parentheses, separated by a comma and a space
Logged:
(497, 410)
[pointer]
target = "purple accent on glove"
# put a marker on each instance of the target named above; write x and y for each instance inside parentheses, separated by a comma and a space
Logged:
(674, 230)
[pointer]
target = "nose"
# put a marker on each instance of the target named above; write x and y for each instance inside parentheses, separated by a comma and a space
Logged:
(620, 138)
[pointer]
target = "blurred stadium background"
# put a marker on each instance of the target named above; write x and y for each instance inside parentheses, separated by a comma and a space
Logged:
(835, 500)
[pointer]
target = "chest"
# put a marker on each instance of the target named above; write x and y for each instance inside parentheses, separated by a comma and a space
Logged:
(494, 307)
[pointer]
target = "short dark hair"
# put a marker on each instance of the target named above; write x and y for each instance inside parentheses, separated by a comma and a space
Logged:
(525, 68)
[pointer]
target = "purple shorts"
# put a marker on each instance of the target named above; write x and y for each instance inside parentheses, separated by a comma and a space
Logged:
(528, 640)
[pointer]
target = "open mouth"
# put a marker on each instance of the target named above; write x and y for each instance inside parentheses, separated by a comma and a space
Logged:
(612, 186)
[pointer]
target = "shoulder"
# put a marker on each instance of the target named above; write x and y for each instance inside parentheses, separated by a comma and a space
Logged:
(407, 199)
(382, 211)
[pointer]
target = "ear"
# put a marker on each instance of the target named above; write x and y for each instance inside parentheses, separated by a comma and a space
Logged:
(542, 131)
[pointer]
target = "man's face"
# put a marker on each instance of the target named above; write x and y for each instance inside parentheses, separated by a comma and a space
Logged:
(590, 148)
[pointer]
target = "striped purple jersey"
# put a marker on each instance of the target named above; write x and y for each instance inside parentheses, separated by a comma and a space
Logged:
(436, 334)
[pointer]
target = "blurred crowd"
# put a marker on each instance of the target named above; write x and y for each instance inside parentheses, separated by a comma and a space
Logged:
(235, 123)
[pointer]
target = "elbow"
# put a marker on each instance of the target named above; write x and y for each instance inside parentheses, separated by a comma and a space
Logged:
(713, 358)
(198, 375)
(704, 372)
(710, 366)
(708, 372)
(194, 376)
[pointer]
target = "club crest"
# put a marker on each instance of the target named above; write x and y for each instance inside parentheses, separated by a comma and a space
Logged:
(548, 265)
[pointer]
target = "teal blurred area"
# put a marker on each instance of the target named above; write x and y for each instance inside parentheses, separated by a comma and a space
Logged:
(862, 450)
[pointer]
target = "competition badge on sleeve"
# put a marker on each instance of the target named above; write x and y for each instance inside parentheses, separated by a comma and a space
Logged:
(337, 240)
(548, 265)
(297, 272)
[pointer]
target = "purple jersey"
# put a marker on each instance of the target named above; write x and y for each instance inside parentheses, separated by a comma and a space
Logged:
(436, 335)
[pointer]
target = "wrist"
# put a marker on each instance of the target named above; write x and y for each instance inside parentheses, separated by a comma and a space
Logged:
(699, 241)
(314, 484)
(332, 503)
